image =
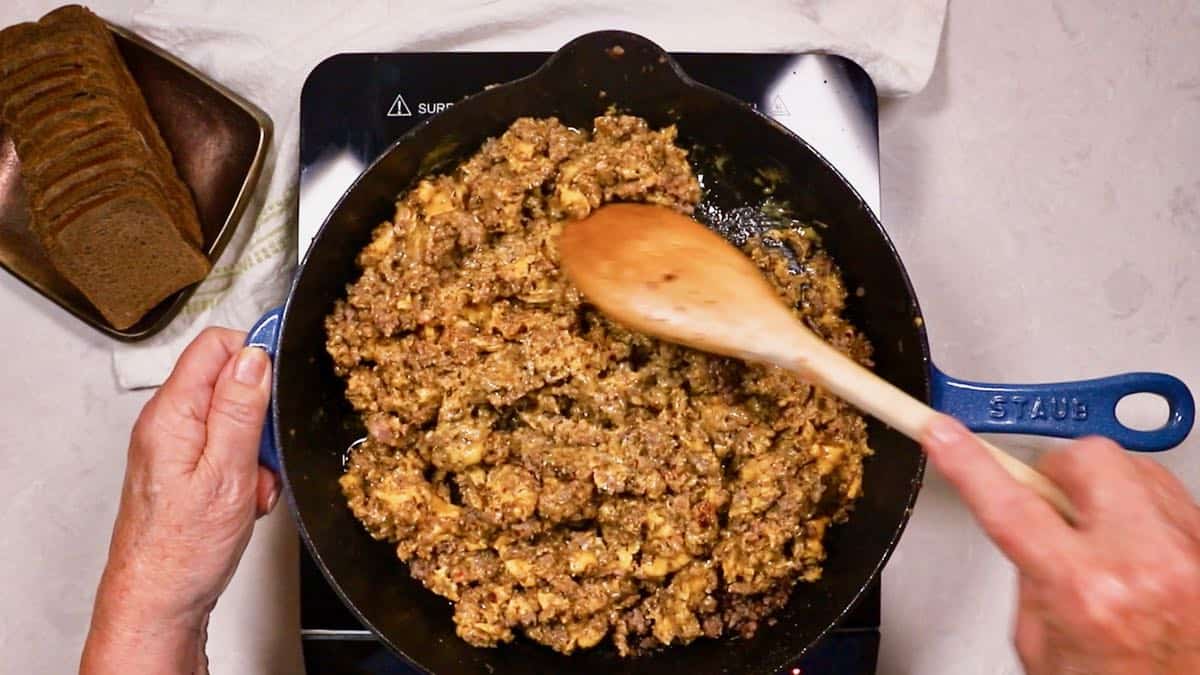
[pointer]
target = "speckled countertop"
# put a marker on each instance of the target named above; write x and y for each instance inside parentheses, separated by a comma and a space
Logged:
(1044, 192)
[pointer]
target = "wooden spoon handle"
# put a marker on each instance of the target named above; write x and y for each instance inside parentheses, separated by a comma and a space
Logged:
(824, 365)
(1034, 480)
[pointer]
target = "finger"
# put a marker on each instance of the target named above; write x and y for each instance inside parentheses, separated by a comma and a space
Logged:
(179, 408)
(237, 411)
(1097, 475)
(1023, 526)
(1029, 632)
(1171, 497)
(268, 490)
(1160, 477)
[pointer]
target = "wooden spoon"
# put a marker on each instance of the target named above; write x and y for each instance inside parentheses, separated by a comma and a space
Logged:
(661, 273)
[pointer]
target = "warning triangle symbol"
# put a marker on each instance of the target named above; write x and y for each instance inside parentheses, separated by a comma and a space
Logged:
(399, 108)
(777, 107)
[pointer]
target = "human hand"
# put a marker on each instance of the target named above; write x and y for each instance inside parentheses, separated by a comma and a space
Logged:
(193, 489)
(1118, 592)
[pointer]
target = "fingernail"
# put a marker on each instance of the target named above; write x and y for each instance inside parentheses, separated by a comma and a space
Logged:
(250, 366)
(946, 430)
(272, 498)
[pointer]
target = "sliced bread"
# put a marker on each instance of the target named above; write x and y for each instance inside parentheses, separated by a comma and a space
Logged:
(125, 255)
(105, 198)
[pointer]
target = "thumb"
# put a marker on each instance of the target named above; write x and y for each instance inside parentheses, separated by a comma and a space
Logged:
(237, 411)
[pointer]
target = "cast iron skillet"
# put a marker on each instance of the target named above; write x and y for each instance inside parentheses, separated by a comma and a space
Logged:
(734, 149)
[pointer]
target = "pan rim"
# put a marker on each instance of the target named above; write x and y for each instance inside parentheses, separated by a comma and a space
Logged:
(924, 363)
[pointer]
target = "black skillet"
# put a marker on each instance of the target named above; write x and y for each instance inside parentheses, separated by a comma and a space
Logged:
(733, 149)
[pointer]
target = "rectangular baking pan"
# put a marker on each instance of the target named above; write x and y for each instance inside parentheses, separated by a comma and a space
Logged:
(218, 141)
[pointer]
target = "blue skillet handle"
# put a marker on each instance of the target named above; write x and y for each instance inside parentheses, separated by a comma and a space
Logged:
(265, 334)
(1067, 409)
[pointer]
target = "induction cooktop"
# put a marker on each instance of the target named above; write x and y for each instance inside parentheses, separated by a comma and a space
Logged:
(354, 106)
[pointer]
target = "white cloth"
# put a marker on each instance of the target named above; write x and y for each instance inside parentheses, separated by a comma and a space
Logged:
(265, 49)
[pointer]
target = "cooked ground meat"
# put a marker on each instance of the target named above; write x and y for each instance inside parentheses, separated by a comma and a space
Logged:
(551, 473)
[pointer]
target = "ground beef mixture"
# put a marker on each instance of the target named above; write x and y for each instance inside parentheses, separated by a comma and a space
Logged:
(551, 473)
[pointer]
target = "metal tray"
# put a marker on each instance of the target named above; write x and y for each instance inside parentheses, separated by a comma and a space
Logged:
(218, 141)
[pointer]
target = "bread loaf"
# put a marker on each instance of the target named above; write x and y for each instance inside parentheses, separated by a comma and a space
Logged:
(105, 199)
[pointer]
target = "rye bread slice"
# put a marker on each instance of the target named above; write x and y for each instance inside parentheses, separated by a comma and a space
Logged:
(92, 170)
(98, 162)
(68, 20)
(61, 100)
(63, 167)
(43, 166)
(47, 223)
(82, 114)
(133, 143)
(87, 111)
(76, 60)
(40, 51)
(105, 168)
(135, 105)
(32, 52)
(74, 33)
(20, 97)
(16, 88)
(126, 256)
(115, 180)
(79, 123)
(69, 15)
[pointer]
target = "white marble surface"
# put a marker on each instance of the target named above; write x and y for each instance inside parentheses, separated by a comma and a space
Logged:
(1044, 192)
